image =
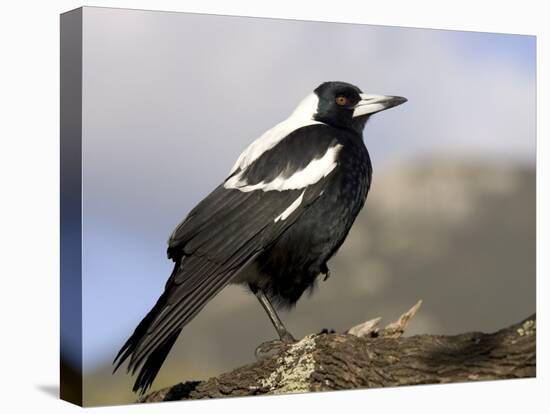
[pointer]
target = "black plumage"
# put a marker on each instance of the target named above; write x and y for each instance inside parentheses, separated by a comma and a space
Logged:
(273, 224)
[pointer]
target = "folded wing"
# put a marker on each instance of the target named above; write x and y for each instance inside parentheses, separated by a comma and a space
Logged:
(225, 232)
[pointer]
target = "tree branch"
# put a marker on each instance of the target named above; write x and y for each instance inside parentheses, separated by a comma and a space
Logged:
(366, 357)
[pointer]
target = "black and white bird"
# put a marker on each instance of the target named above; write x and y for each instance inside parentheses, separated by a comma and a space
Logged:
(281, 214)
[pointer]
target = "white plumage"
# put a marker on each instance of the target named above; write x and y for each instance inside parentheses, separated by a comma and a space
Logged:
(301, 117)
(312, 173)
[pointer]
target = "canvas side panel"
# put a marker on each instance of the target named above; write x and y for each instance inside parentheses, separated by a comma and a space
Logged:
(71, 202)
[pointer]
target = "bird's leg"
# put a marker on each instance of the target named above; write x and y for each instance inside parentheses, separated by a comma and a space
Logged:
(275, 320)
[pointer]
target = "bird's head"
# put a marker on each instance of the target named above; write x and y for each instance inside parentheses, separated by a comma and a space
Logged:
(344, 105)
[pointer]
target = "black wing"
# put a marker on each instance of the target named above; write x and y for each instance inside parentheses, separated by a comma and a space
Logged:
(220, 236)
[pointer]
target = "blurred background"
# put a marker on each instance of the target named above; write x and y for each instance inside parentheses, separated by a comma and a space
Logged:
(171, 99)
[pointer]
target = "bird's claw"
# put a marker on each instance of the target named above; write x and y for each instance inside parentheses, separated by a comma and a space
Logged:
(287, 338)
(326, 271)
(271, 348)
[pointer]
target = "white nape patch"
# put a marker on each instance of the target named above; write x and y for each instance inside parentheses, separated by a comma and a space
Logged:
(312, 173)
(301, 117)
(290, 209)
(370, 104)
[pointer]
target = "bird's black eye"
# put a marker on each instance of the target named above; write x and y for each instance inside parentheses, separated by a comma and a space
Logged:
(341, 100)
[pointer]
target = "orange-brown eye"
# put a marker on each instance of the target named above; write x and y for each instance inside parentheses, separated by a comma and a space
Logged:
(341, 100)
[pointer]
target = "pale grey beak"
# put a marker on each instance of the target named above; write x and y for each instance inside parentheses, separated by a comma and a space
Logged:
(370, 104)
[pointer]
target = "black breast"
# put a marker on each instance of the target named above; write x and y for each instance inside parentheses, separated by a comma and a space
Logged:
(293, 262)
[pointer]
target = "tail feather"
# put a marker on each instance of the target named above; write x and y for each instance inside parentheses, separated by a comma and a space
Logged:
(152, 364)
(187, 291)
(133, 341)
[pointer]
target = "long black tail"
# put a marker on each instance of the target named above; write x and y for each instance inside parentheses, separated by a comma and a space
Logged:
(187, 291)
(154, 361)
(152, 364)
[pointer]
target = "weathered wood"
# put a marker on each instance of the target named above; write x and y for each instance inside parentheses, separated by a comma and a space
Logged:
(325, 362)
(394, 329)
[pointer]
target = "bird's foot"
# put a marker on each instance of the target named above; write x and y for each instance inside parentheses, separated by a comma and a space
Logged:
(272, 348)
(325, 331)
(287, 337)
(325, 271)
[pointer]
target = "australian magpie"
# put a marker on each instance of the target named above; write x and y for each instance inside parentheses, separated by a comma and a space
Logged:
(284, 210)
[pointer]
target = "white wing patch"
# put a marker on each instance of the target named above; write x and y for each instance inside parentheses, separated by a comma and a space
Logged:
(312, 173)
(301, 117)
(290, 209)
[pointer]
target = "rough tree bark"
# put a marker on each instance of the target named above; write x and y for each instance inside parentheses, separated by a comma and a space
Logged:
(368, 357)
